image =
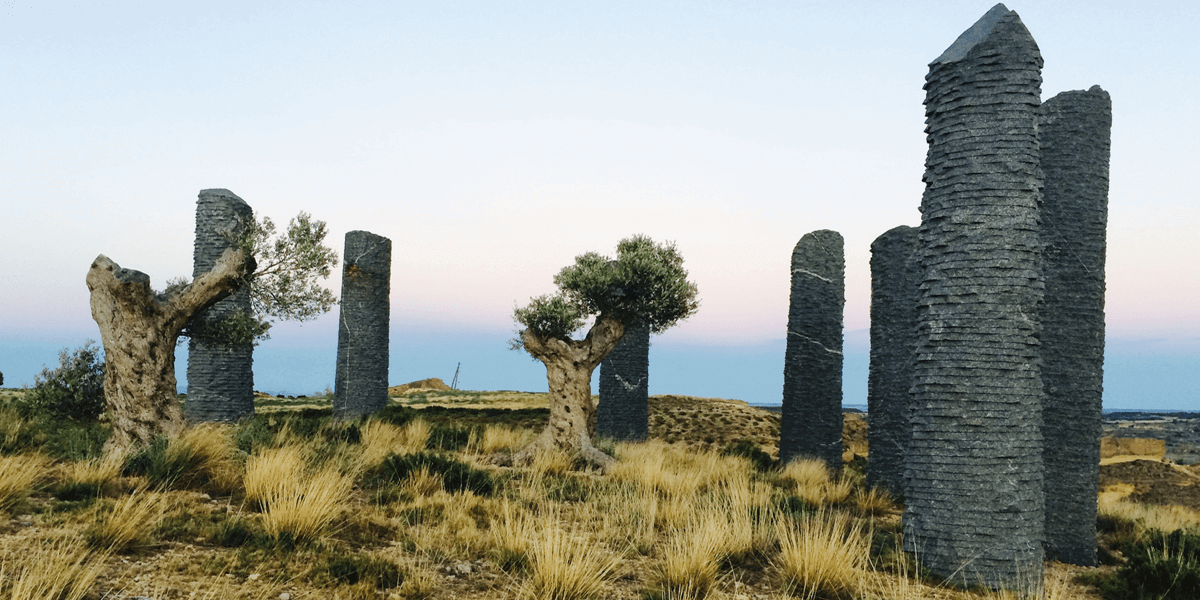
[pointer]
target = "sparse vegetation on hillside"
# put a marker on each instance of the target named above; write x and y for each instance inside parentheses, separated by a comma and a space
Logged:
(296, 502)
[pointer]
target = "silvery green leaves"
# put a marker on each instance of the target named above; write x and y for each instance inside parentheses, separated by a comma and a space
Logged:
(285, 284)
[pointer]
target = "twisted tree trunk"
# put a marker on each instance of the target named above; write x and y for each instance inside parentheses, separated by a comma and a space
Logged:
(569, 365)
(139, 330)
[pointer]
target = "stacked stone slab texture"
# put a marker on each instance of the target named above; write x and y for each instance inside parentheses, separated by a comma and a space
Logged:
(893, 339)
(812, 373)
(361, 382)
(623, 412)
(220, 376)
(974, 499)
(1074, 128)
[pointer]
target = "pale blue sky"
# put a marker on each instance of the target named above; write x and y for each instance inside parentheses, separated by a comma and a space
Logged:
(493, 142)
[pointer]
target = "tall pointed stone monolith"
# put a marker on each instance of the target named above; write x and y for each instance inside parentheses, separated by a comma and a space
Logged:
(220, 376)
(361, 381)
(812, 372)
(1074, 128)
(974, 504)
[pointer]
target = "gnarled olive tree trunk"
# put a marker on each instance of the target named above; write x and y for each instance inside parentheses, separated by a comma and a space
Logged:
(139, 330)
(569, 365)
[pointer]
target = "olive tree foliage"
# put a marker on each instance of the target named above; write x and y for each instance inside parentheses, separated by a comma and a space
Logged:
(646, 283)
(285, 285)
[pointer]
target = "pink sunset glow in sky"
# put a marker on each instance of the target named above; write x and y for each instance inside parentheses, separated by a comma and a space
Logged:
(493, 144)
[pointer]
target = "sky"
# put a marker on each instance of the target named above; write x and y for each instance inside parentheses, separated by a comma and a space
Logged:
(493, 142)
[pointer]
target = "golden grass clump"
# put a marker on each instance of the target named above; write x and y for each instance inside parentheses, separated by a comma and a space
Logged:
(128, 523)
(272, 470)
(550, 461)
(566, 565)
(823, 555)
(691, 559)
(100, 472)
(379, 439)
(809, 480)
(62, 569)
(414, 436)
(873, 502)
(450, 524)
(1112, 504)
(509, 537)
(18, 475)
(304, 506)
(206, 452)
(673, 471)
(500, 437)
(422, 483)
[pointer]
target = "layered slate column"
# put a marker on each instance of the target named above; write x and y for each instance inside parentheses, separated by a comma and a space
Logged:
(974, 508)
(623, 412)
(893, 339)
(360, 385)
(812, 372)
(1074, 129)
(220, 376)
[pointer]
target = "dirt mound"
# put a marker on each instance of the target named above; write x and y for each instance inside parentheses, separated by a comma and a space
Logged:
(1154, 482)
(1120, 446)
(854, 436)
(433, 383)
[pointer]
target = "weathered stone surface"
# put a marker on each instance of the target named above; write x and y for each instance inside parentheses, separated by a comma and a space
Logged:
(220, 376)
(974, 509)
(623, 412)
(361, 383)
(894, 274)
(811, 423)
(1074, 130)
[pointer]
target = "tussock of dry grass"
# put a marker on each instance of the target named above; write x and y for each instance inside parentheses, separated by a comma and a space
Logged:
(690, 562)
(380, 439)
(550, 461)
(100, 472)
(128, 522)
(1112, 504)
(62, 569)
(809, 480)
(18, 475)
(271, 470)
(208, 450)
(566, 565)
(500, 437)
(672, 471)
(303, 508)
(824, 555)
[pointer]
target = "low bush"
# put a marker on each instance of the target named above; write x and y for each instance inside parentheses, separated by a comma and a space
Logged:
(1160, 567)
(355, 569)
(456, 475)
(74, 391)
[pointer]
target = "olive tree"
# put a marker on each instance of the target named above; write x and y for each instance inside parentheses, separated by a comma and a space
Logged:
(140, 327)
(646, 283)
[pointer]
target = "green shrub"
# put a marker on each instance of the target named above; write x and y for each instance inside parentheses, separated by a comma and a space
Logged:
(1160, 567)
(353, 568)
(75, 441)
(761, 460)
(154, 462)
(74, 391)
(456, 476)
(396, 415)
(449, 437)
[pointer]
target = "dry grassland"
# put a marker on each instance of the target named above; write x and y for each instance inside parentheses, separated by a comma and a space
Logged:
(313, 513)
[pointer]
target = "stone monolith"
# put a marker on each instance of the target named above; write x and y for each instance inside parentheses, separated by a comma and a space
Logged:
(812, 372)
(361, 381)
(1074, 129)
(220, 376)
(974, 504)
(623, 412)
(893, 339)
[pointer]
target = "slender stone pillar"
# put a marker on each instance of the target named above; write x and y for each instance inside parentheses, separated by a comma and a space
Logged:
(220, 376)
(361, 382)
(974, 508)
(812, 372)
(624, 412)
(1074, 129)
(893, 340)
